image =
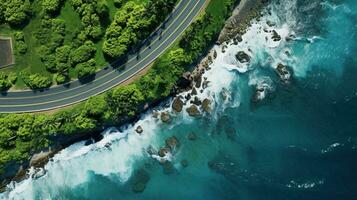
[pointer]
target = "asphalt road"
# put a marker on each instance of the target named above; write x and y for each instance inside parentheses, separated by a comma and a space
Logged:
(111, 76)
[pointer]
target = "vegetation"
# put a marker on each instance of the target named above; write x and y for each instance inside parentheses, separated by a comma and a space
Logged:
(22, 134)
(6, 81)
(57, 38)
(15, 12)
(133, 23)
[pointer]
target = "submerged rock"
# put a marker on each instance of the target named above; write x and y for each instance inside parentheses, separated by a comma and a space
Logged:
(139, 130)
(165, 117)
(242, 57)
(193, 111)
(184, 163)
(168, 168)
(172, 143)
(177, 104)
(140, 179)
(192, 136)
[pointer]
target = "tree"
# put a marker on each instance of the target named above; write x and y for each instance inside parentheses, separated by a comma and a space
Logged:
(6, 81)
(86, 69)
(16, 11)
(124, 101)
(51, 6)
(83, 53)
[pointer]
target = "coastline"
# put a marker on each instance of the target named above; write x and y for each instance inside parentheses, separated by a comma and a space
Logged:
(39, 159)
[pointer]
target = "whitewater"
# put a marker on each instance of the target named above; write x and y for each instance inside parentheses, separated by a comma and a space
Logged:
(295, 140)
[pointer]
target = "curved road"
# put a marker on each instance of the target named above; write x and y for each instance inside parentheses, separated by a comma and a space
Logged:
(73, 92)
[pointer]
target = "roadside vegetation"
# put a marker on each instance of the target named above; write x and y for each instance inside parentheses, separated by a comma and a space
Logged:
(60, 40)
(23, 134)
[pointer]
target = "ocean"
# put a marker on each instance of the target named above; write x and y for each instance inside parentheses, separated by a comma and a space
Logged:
(297, 139)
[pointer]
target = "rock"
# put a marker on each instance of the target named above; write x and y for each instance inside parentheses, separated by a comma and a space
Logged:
(188, 96)
(155, 114)
(177, 104)
(283, 72)
(163, 151)
(224, 94)
(184, 163)
(270, 23)
(205, 84)
(165, 117)
(140, 179)
(185, 81)
(192, 136)
(259, 94)
(194, 91)
(206, 105)
(242, 57)
(214, 54)
(193, 111)
(139, 130)
(40, 159)
(172, 143)
(89, 142)
(39, 172)
(107, 145)
(151, 151)
(20, 175)
(196, 101)
(198, 80)
(276, 37)
(231, 133)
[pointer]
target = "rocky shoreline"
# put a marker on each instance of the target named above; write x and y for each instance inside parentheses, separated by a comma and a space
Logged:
(191, 83)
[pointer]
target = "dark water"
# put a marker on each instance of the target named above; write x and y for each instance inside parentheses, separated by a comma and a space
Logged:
(299, 142)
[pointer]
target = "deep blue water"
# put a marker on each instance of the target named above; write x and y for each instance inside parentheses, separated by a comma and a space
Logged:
(299, 142)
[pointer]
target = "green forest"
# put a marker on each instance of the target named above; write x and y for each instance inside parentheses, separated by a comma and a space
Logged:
(56, 41)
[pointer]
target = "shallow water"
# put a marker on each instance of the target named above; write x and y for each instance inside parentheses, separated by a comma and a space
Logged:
(298, 142)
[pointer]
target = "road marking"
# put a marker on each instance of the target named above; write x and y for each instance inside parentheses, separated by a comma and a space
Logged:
(107, 74)
(42, 103)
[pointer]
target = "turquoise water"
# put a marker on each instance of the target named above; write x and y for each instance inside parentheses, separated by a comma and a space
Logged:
(298, 142)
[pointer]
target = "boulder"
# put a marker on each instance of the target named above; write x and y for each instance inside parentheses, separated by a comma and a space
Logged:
(194, 91)
(196, 101)
(242, 57)
(276, 37)
(206, 105)
(165, 117)
(185, 81)
(205, 84)
(177, 104)
(214, 54)
(193, 111)
(155, 114)
(139, 130)
(283, 72)
(140, 179)
(163, 151)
